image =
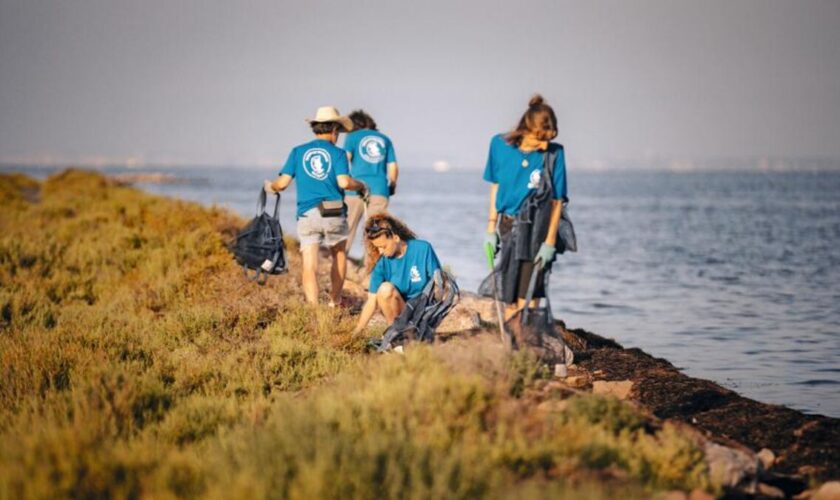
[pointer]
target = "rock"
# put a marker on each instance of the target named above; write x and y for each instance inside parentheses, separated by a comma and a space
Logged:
(620, 389)
(484, 307)
(729, 467)
(767, 458)
(698, 494)
(576, 381)
(765, 490)
(460, 319)
(828, 491)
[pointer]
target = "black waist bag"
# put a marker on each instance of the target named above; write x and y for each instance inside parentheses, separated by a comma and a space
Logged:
(259, 246)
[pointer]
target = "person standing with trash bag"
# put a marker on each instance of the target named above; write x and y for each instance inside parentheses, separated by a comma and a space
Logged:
(322, 174)
(373, 161)
(516, 170)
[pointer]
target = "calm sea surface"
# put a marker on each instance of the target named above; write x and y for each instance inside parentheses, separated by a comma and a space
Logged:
(733, 277)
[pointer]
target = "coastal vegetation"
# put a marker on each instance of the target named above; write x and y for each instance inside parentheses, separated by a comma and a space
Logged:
(135, 361)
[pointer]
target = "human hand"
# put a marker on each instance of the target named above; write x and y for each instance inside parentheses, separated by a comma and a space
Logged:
(544, 255)
(267, 187)
(364, 192)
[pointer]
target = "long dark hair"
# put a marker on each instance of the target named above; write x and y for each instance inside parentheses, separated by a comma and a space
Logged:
(376, 226)
(362, 120)
(539, 120)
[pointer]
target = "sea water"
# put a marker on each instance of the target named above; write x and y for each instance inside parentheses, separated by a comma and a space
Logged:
(733, 277)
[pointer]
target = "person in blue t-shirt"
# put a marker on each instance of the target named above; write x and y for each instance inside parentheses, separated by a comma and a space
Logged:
(373, 161)
(399, 264)
(321, 170)
(514, 168)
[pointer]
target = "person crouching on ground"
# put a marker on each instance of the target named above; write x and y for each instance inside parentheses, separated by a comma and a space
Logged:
(372, 161)
(322, 174)
(399, 264)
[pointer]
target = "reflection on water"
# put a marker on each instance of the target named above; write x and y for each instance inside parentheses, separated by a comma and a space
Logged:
(732, 277)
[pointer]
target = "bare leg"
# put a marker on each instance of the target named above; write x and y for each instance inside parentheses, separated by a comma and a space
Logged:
(512, 309)
(355, 210)
(377, 205)
(390, 301)
(310, 273)
(338, 271)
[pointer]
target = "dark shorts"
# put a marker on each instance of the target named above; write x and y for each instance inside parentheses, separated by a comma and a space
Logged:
(517, 276)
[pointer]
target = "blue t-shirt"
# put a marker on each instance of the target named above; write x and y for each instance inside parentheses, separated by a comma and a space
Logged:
(316, 166)
(409, 273)
(517, 173)
(372, 152)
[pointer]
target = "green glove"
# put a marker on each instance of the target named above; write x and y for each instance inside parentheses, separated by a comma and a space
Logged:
(491, 241)
(545, 255)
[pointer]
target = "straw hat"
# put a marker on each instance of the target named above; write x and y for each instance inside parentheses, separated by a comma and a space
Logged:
(330, 114)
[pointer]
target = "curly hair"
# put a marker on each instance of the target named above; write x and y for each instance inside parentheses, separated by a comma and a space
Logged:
(539, 120)
(383, 224)
(362, 120)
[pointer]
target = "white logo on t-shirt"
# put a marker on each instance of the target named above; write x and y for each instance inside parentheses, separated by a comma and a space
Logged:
(534, 180)
(372, 149)
(317, 163)
(415, 275)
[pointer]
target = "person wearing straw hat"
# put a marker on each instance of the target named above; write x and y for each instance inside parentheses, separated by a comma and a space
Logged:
(322, 174)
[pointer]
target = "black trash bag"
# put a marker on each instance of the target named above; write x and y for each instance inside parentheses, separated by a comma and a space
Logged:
(534, 329)
(259, 246)
(422, 314)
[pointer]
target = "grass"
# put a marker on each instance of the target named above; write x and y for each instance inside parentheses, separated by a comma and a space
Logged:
(135, 361)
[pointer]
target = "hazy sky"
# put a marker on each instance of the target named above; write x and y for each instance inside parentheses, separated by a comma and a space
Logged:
(224, 82)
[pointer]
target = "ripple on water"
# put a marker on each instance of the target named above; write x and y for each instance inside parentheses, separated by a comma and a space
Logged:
(818, 381)
(617, 307)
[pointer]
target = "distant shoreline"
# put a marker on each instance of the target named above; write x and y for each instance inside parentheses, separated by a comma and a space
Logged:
(631, 166)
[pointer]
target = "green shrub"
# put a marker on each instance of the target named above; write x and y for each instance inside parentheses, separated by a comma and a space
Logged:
(135, 360)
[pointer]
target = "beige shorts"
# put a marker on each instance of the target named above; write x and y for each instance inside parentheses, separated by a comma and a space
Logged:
(312, 229)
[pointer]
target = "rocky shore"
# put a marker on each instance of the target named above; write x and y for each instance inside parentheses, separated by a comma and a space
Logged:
(761, 450)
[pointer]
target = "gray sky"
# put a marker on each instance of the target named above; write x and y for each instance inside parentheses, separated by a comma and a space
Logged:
(221, 82)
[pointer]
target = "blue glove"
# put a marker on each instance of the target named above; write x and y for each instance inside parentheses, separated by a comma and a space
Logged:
(545, 255)
(492, 239)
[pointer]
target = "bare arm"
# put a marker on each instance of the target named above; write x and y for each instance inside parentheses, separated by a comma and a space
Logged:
(493, 215)
(393, 173)
(347, 182)
(554, 221)
(280, 183)
(368, 311)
